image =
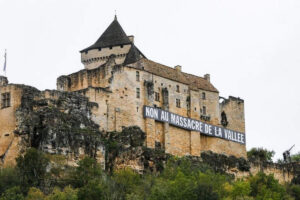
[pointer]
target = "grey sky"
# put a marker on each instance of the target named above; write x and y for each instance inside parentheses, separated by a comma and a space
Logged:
(250, 48)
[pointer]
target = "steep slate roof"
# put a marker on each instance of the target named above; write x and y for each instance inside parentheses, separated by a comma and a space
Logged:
(133, 55)
(114, 35)
(195, 82)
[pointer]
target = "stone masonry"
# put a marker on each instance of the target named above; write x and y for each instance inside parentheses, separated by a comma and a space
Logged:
(120, 80)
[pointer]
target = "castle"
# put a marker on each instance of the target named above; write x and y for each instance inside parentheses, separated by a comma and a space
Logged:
(179, 112)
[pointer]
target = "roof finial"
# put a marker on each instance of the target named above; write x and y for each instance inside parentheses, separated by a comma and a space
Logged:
(115, 14)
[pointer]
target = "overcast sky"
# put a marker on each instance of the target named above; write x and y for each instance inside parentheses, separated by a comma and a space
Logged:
(250, 48)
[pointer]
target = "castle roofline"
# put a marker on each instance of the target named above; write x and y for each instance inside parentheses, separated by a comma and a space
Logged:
(195, 82)
(114, 35)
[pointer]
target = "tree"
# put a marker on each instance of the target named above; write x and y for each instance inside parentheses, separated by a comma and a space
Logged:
(91, 191)
(32, 168)
(88, 170)
(126, 180)
(35, 194)
(67, 194)
(267, 187)
(8, 178)
(241, 189)
(13, 193)
(260, 155)
(294, 191)
(296, 157)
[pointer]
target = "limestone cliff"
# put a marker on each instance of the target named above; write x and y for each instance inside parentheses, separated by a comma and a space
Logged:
(57, 123)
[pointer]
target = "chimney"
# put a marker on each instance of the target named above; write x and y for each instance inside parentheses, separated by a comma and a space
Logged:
(3, 81)
(178, 68)
(207, 77)
(131, 38)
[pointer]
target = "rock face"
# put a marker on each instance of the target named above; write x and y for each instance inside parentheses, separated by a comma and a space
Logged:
(59, 123)
(127, 149)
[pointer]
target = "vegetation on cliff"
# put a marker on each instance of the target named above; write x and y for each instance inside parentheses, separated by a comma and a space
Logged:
(40, 176)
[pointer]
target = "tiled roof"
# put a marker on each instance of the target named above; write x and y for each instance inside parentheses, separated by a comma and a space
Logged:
(195, 82)
(114, 35)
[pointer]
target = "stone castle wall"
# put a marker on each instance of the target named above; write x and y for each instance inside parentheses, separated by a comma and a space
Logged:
(114, 88)
(8, 141)
(96, 57)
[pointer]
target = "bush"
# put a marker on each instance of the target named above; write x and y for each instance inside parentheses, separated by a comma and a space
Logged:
(35, 194)
(32, 168)
(91, 191)
(296, 157)
(13, 193)
(260, 155)
(8, 178)
(67, 194)
(88, 169)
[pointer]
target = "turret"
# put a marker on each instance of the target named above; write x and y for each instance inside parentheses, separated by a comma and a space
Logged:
(113, 41)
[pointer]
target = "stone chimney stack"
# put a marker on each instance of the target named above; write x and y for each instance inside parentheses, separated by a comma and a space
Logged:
(207, 77)
(131, 38)
(178, 68)
(3, 81)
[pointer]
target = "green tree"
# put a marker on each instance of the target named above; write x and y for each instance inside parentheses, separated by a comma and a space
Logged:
(32, 168)
(294, 191)
(35, 194)
(260, 155)
(296, 157)
(8, 178)
(127, 180)
(88, 170)
(267, 187)
(240, 190)
(67, 194)
(91, 191)
(13, 193)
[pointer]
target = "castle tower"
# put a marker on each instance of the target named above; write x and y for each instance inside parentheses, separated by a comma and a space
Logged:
(112, 43)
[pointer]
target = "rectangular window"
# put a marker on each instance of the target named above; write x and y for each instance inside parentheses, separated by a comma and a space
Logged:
(203, 95)
(5, 102)
(204, 110)
(137, 76)
(178, 103)
(138, 93)
(177, 88)
(156, 96)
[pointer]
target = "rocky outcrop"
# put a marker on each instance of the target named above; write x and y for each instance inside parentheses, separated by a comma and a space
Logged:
(59, 123)
(126, 149)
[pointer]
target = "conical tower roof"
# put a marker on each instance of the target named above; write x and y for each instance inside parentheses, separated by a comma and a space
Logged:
(114, 35)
